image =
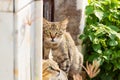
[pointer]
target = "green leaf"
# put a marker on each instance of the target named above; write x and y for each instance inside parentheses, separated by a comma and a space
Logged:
(119, 77)
(112, 36)
(100, 31)
(106, 76)
(105, 2)
(108, 66)
(108, 52)
(113, 27)
(97, 48)
(91, 36)
(115, 55)
(112, 43)
(99, 14)
(95, 41)
(89, 1)
(116, 65)
(103, 36)
(89, 10)
(82, 37)
(93, 57)
(105, 57)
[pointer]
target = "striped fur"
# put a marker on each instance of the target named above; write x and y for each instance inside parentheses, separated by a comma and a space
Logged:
(64, 51)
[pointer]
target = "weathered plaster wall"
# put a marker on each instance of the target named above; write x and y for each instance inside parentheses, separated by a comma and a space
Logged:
(13, 5)
(74, 10)
(21, 39)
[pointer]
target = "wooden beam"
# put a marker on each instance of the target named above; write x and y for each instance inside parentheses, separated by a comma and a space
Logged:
(52, 10)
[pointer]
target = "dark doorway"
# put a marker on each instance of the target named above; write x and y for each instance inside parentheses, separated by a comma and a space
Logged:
(48, 9)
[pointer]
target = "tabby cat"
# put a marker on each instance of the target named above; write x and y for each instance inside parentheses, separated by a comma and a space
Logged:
(51, 71)
(64, 51)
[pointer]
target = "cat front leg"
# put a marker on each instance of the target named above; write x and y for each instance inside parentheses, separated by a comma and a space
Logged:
(46, 53)
(65, 65)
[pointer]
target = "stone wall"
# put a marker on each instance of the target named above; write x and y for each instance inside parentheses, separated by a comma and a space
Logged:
(71, 9)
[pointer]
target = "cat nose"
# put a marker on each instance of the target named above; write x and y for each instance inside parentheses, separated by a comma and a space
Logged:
(52, 37)
(52, 40)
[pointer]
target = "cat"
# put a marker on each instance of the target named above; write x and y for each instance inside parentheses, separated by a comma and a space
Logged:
(77, 77)
(51, 70)
(64, 51)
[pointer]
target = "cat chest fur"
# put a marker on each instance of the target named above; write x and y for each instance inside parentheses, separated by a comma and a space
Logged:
(60, 55)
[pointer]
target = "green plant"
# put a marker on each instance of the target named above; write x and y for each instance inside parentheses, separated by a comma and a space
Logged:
(102, 37)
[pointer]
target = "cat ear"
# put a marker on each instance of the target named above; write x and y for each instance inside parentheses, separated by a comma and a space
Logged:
(64, 23)
(50, 54)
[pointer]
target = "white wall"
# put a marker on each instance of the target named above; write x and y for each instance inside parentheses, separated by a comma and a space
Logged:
(13, 5)
(17, 41)
(81, 4)
(23, 39)
(6, 46)
(38, 39)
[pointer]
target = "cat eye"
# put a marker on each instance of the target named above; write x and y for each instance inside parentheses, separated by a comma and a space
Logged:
(60, 33)
(47, 32)
(50, 67)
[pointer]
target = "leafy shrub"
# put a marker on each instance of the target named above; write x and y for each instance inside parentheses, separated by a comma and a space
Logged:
(102, 37)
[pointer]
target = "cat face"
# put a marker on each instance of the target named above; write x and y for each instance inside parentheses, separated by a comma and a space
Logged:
(53, 31)
(50, 69)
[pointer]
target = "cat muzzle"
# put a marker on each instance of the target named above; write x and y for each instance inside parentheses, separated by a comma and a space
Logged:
(53, 40)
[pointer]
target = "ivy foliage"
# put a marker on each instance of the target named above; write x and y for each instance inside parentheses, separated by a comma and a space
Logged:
(102, 37)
